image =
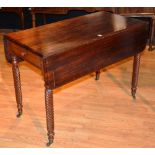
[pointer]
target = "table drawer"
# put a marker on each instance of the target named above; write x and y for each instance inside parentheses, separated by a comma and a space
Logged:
(25, 54)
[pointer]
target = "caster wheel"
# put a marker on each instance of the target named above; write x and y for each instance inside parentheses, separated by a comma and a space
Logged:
(49, 143)
(134, 96)
(19, 115)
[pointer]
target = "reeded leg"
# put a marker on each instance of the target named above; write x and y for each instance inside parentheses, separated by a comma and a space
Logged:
(97, 75)
(151, 35)
(136, 64)
(17, 85)
(49, 115)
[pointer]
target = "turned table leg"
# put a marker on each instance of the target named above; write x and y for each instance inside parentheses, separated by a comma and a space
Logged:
(17, 85)
(97, 75)
(136, 64)
(49, 115)
(151, 35)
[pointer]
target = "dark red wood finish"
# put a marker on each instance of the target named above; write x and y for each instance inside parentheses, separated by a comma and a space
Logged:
(72, 48)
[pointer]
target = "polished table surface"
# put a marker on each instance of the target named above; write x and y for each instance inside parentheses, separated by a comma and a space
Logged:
(72, 48)
(68, 34)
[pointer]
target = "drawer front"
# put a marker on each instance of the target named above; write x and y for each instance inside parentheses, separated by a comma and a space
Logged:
(24, 54)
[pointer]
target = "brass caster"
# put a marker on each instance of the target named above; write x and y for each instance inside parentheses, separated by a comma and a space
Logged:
(19, 115)
(133, 95)
(49, 143)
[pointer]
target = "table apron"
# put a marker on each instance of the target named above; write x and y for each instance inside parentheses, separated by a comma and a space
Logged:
(24, 54)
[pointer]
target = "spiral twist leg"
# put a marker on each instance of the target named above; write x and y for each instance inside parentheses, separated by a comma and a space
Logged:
(49, 115)
(136, 64)
(17, 85)
(151, 35)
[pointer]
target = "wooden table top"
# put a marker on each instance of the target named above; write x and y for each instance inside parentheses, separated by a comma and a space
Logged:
(70, 49)
(68, 34)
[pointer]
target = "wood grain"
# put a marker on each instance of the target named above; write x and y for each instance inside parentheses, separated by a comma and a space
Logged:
(99, 121)
(69, 34)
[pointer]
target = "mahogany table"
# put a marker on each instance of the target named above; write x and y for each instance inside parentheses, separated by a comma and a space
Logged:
(70, 49)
